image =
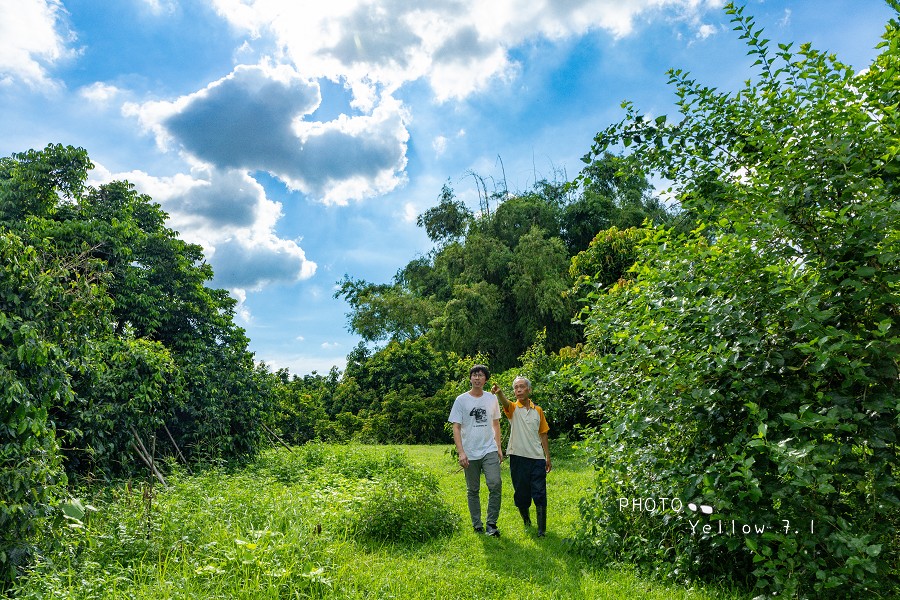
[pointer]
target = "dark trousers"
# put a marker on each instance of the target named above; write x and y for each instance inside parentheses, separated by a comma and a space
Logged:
(529, 479)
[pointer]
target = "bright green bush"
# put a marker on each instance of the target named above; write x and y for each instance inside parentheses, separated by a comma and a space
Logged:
(405, 507)
(751, 366)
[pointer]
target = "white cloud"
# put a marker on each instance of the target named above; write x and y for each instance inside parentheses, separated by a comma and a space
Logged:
(241, 310)
(255, 120)
(99, 93)
(439, 144)
(229, 215)
(330, 345)
(705, 31)
(410, 212)
(458, 46)
(32, 38)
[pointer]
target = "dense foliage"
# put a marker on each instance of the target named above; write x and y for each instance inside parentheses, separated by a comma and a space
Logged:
(751, 365)
(110, 339)
(45, 326)
(740, 359)
(401, 393)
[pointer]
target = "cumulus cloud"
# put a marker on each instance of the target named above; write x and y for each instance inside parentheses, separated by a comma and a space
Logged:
(32, 38)
(248, 263)
(458, 46)
(262, 117)
(254, 119)
(228, 213)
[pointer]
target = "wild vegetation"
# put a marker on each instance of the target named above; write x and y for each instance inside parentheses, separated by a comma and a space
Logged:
(737, 354)
(751, 365)
(325, 521)
(110, 338)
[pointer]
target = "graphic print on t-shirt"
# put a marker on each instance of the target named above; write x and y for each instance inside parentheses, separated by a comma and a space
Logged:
(480, 414)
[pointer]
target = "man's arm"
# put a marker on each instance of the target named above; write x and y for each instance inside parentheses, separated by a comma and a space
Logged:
(546, 444)
(457, 439)
(497, 438)
(498, 391)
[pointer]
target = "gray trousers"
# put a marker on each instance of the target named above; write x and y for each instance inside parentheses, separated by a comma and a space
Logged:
(490, 466)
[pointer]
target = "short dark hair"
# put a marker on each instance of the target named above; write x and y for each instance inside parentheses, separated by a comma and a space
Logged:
(483, 369)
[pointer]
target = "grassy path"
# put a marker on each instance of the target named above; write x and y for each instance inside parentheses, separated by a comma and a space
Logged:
(518, 566)
(282, 528)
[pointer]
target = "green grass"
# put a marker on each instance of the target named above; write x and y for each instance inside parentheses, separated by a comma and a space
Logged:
(288, 525)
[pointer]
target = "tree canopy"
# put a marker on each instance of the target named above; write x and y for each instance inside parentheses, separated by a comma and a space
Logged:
(496, 280)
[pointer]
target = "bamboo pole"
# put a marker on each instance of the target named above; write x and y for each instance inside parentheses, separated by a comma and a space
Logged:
(147, 458)
(177, 449)
(272, 433)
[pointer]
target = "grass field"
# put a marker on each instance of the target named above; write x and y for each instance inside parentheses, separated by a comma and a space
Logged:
(287, 526)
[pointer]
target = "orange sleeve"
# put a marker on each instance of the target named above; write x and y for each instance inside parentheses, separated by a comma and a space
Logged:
(509, 409)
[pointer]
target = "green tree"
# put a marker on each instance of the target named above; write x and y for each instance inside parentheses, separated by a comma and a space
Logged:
(448, 220)
(131, 386)
(538, 281)
(156, 284)
(33, 182)
(517, 215)
(494, 280)
(300, 403)
(752, 365)
(615, 193)
(604, 263)
(386, 312)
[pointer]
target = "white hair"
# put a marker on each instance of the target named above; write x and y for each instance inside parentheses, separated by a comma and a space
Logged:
(525, 379)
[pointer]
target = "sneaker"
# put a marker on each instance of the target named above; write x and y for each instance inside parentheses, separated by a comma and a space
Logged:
(479, 529)
(492, 531)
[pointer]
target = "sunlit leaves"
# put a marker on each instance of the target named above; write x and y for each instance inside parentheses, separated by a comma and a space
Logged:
(753, 363)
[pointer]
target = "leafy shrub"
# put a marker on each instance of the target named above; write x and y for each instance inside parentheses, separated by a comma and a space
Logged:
(750, 366)
(405, 507)
(43, 325)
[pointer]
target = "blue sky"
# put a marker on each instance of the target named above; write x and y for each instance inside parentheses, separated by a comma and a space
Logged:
(297, 141)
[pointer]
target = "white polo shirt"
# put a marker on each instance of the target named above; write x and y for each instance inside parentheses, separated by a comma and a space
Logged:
(525, 428)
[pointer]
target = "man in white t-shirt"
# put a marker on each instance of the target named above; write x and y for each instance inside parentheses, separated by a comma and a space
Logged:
(476, 432)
